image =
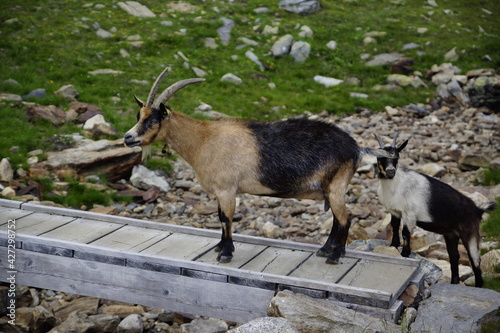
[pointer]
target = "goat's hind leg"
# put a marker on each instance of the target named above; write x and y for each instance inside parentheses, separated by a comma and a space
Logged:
(471, 243)
(327, 249)
(225, 247)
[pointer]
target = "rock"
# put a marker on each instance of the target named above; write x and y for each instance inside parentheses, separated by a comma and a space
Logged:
(121, 310)
(105, 71)
(490, 262)
(327, 81)
(270, 230)
(144, 178)
(48, 112)
(305, 32)
(101, 33)
(266, 324)
(36, 320)
(384, 59)
(302, 7)
(282, 46)
(10, 97)
(387, 250)
(310, 315)
(473, 162)
(37, 93)
(131, 324)
(250, 55)
(76, 322)
(300, 51)
(432, 169)
(104, 323)
(98, 125)
(268, 30)
(8, 193)
(224, 32)
(109, 158)
(151, 194)
(204, 325)
(210, 43)
(455, 308)
(199, 72)
(332, 45)
(86, 305)
(105, 210)
(484, 91)
(451, 55)
(6, 172)
(136, 9)
(231, 78)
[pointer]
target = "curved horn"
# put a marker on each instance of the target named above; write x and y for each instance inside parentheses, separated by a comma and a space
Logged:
(380, 143)
(170, 91)
(154, 88)
(394, 141)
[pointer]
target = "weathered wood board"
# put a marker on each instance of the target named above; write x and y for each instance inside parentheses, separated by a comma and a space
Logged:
(175, 267)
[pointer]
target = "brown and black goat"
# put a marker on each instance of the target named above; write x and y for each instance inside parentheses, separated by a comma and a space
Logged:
(295, 158)
(416, 199)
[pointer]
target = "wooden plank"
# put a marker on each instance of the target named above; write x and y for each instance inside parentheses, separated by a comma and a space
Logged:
(243, 253)
(378, 275)
(181, 246)
(82, 231)
(173, 292)
(215, 234)
(277, 261)
(7, 214)
(160, 263)
(39, 223)
(315, 268)
(132, 238)
(10, 203)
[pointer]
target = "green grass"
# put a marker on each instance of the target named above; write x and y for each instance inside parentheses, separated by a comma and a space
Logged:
(51, 45)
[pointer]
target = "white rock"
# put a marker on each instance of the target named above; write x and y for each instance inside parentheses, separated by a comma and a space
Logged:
(6, 172)
(136, 9)
(432, 169)
(231, 78)
(332, 45)
(391, 111)
(282, 46)
(144, 178)
(327, 81)
(8, 192)
(103, 33)
(131, 324)
(268, 30)
(300, 51)
(250, 55)
(305, 32)
(199, 72)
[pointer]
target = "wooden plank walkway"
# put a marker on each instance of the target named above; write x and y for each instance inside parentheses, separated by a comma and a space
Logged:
(174, 267)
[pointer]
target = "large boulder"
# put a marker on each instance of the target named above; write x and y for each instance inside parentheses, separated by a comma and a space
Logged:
(103, 157)
(455, 308)
(48, 112)
(312, 315)
(484, 91)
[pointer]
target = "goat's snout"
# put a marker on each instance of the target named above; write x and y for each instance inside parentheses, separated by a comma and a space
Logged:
(390, 172)
(130, 140)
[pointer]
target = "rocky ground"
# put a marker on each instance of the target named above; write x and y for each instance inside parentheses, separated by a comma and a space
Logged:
(448, 139)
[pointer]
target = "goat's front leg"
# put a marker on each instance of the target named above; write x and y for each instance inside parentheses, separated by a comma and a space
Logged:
(226, 212)
(395, 224)
(408, 226)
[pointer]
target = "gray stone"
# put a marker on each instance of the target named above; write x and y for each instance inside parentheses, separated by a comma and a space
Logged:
(302, 7)
(473, 162)
(6, 171)
(250, 55)
(266, 324)
(10, 97)
(144, 178)
(327, 81)
(210, 43)
(136, 9)
(105, 71)
(225, 31)
(131, 324)
(204, 325)
(451, 55)
(103, 33)
(37, 93)
(305, 32)
(99, 125)
(231, 78)
(484, 91)
(432, 169)
(332, 45)
(48, 112)
(311, 315)
(384, 59)
(282, 46)
(455, 308)
(67, 91)
(300, 51)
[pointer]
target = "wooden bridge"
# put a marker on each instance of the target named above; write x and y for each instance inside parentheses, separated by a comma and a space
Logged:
(174, 267)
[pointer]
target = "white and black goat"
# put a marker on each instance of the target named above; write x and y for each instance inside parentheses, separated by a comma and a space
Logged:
(416, 199)
(296, 158)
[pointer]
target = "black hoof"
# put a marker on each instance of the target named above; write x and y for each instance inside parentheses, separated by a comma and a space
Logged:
(405, 253)
(224, 259)
(322, 253)
(217, 249)
(333, 261)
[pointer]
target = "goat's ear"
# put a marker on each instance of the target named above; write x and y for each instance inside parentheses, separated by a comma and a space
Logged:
(165, 112)
(402, 146)
(139, 102)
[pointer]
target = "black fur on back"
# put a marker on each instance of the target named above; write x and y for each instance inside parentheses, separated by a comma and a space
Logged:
(450, 208)
(292, 150)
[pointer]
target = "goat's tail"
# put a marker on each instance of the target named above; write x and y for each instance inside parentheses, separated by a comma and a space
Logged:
(486, 207)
